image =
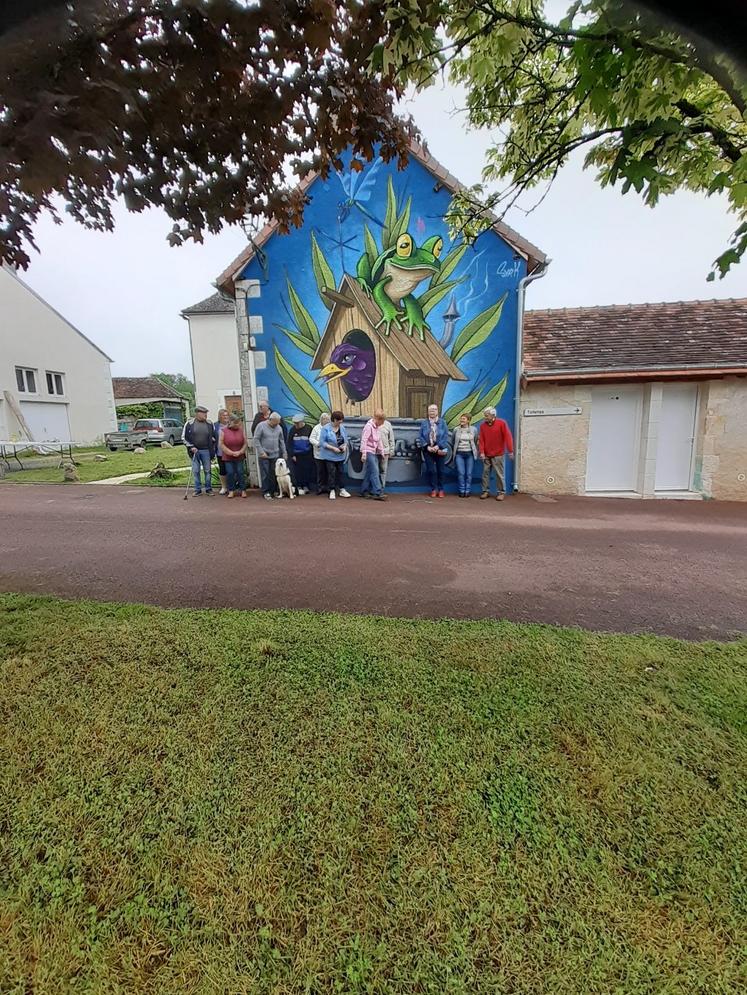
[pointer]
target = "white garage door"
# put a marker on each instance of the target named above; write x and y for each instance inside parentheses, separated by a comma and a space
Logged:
(48, 422)
(614, 439)
(674, 449)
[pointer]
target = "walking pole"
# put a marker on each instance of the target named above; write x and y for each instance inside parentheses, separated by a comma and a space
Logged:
(189, 481)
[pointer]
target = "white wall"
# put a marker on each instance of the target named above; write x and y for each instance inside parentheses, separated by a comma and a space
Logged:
(33, 335)
(215, 358)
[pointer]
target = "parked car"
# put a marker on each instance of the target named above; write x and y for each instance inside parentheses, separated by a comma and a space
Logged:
(146, 431)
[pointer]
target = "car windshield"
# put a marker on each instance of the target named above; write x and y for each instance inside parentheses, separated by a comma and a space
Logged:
(147, 423)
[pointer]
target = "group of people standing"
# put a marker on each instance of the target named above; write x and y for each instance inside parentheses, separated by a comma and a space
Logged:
(316, 455)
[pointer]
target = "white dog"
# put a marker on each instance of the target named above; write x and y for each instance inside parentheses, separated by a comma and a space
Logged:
(285, 484)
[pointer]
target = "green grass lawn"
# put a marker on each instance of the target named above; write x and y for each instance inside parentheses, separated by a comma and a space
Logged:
(226, 802)
(116, 465)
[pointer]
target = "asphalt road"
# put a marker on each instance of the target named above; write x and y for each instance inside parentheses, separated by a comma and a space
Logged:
(629, 566)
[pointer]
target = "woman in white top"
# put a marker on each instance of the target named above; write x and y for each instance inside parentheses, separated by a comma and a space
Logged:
(322, 486)
(464, 449)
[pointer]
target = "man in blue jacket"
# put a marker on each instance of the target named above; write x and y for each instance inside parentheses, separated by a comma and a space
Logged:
(433, 442)
(199, 438)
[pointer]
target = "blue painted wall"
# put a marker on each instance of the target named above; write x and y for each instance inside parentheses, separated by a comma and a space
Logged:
(291, 269)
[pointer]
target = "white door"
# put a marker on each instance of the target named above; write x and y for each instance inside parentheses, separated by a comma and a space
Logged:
(614, 439)
(48, 422)
(674, 451)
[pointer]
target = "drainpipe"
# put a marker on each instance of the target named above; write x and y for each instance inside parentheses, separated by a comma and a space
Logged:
(538, 273)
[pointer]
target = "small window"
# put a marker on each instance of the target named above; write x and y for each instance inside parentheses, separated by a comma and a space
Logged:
(25, 380)
(55, 384)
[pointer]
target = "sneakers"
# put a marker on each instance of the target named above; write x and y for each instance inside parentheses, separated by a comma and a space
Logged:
(500, 497)
(198, 493)
(484, 495)
(332, 495)
(267, 497)
(209, 493)
(441, 494)
(223, 491)
(244, 494)
(433, 494)
(344, 493)
(230, 495)
(381, 497)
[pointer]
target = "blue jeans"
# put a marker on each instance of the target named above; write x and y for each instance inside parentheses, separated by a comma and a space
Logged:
(201, 460)
(235, 475)
(267, 473)
(371, 482)
(465, 463)
(434, 465)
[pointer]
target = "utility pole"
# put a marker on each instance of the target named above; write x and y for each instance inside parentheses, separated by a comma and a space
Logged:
(243, 290)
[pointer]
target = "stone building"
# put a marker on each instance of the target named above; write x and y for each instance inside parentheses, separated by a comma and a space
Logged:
(644, 400)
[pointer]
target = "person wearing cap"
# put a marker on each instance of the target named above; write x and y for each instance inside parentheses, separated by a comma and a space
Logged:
(199, 438)
(269, 445)
(301, 455)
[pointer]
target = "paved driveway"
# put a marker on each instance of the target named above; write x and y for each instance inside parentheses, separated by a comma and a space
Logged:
(632, 566)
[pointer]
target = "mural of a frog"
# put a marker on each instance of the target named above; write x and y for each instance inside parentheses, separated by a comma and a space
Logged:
(394, 276)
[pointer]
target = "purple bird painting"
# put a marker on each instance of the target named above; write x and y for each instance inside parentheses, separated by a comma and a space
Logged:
(356, 364)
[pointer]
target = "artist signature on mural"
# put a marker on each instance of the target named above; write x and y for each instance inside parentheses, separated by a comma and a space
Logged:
(509, 269)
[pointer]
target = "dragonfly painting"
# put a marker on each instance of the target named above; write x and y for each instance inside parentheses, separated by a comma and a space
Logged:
(357, 188)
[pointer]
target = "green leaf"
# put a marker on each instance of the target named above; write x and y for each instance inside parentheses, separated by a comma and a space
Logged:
(478, 330)
(307, 397)
(322, 272)
(390, 218)
(491, 399)
(304, 321)
(303, 344)
(402, 222)
(370, 242)
(434, 295)
(451, 415)
(449, 264)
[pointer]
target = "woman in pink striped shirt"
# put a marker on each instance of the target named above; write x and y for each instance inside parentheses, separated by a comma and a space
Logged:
(371, 448)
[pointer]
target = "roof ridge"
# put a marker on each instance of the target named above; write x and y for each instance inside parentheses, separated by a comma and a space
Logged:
(420, 152)
(644, 304)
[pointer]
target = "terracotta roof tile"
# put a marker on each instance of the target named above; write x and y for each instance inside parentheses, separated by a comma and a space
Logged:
(682, 334)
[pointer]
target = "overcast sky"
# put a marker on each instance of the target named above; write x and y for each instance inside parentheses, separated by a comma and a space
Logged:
(125, 290)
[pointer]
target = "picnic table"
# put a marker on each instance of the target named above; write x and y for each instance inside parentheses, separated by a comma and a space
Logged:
(14, 450)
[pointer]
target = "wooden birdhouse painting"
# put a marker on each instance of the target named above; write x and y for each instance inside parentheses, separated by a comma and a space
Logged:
(365, 369)
(373, 303)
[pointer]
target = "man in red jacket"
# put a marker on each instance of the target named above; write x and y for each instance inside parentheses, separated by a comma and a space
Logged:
(495, 441)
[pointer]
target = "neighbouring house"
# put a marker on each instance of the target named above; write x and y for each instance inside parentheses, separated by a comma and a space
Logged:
(55, 383)
(369, 303)
(643, 400)
(215, 353)
(152, 396)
